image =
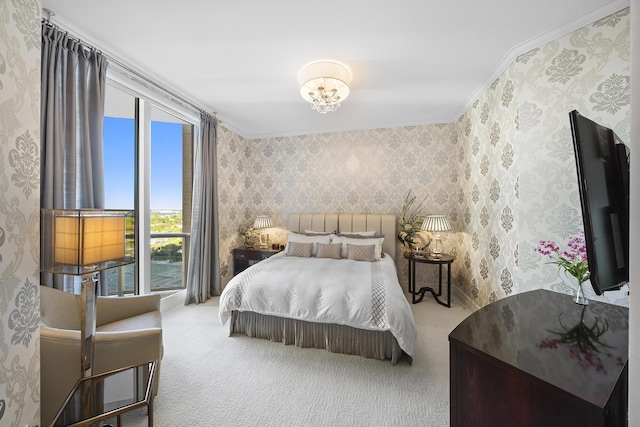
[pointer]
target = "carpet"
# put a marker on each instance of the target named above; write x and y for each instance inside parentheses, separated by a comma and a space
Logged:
(211, 379)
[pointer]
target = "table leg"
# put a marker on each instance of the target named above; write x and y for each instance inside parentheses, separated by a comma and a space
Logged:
(449, 285)
(439, 279)
(413, 282)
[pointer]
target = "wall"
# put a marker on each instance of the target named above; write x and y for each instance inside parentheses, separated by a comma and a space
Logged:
(19, 212)
(504, 172)
(519, 171)
(355, 172)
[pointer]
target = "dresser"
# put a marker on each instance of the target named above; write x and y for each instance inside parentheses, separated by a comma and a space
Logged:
(539, 359)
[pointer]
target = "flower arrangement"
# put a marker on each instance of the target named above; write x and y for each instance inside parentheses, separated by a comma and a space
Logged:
(411, 217)
(572, 261)
(249, 234)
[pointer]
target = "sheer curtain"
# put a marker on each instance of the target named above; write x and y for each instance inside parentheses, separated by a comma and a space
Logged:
(203, 275)
(72, 113)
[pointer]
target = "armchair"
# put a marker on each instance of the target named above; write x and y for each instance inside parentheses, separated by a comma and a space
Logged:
(128, 332)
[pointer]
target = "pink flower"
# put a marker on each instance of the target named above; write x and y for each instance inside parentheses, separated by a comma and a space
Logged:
(573, 260)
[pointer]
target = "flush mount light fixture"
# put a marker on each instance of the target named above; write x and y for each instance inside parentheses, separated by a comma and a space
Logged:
(324, 84)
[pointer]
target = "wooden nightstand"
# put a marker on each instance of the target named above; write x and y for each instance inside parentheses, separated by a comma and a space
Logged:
(245, 257)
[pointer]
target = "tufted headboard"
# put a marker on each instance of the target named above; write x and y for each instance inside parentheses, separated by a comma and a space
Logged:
(381, 224)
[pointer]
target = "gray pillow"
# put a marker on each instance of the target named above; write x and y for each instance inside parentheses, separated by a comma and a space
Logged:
(361, 252)
(299, 249)
(330, 250)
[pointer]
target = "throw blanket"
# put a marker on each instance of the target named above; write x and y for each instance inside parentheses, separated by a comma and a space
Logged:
(365, 295)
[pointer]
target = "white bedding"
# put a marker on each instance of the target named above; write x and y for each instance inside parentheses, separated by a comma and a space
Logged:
(363, 295)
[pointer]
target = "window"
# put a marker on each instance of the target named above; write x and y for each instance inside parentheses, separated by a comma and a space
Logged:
(148, 168)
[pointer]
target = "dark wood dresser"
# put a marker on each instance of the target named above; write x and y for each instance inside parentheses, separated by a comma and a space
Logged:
(539, 359)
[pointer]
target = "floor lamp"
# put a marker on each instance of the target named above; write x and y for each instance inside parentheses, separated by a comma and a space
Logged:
(83, 242)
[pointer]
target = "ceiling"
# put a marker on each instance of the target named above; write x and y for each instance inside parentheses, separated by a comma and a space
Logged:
(414, 62)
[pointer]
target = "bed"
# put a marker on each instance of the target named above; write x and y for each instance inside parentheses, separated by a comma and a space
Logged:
(312, 296)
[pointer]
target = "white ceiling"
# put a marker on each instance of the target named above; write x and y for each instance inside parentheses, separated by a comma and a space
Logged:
(413, 61)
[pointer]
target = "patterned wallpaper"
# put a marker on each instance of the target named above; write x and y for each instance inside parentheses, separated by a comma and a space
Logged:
(517, 161)
(19, 212)
(504, 172)
(354, 172)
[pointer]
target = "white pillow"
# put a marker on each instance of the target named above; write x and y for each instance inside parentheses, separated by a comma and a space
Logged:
(315, 239)
(358, 233)
(361, 241)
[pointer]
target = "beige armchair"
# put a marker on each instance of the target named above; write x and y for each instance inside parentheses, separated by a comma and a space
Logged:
(128, 332)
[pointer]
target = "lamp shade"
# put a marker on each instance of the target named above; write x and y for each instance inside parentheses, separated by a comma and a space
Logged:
(263, 221)
(81, 241)
(436, 223)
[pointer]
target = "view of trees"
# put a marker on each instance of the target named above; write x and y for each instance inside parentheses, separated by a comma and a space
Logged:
(166, 249)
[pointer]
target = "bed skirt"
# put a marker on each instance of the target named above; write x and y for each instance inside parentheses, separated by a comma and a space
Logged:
(343, 339)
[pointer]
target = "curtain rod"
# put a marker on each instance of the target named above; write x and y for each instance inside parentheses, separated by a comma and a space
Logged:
(47, 21)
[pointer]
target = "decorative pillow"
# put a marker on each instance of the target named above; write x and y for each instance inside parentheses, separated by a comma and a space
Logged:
(329, 250)
(376, 240)
(299, 249)
(315, 239)
(357, 233)
(361, 252)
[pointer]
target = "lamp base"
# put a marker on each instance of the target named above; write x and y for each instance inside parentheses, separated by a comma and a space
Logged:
(264, 241)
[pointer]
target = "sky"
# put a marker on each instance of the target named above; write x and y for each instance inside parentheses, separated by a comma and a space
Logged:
(166, 164)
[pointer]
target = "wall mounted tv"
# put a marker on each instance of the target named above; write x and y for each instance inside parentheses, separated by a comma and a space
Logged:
(602, 160)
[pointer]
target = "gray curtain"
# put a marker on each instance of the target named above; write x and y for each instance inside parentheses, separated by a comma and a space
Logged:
(73, 83)
(203, 275)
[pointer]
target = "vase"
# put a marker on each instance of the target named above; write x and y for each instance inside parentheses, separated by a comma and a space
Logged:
(580, 296)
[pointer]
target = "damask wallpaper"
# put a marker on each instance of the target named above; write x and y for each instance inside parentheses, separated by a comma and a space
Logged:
(504, 172)
(520, 181)
(19, 212)
(354, 172)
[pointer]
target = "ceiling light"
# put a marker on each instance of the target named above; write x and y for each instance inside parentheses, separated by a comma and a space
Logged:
(324, 84)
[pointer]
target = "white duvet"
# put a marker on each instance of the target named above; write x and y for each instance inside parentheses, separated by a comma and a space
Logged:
(363, 295)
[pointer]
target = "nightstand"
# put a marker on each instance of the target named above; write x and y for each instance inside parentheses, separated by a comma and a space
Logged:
(245, 257)
(443, 260)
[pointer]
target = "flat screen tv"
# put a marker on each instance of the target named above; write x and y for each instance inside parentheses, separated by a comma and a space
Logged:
(602, 161)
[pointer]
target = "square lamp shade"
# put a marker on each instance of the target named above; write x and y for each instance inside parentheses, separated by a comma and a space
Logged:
(83, 241)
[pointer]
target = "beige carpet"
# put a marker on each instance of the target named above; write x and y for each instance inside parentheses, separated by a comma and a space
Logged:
(211, 379)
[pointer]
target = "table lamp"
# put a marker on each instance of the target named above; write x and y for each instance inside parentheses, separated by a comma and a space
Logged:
(436, 224)
(83, 242)
(262, 222)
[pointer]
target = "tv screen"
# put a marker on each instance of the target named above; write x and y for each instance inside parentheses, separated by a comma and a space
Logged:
(602, 162)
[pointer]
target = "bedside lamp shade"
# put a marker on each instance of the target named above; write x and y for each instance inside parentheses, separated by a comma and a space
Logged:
(436, 224)
(263, 221)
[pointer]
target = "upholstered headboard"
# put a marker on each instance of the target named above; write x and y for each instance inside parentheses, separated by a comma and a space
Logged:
(341, 223)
